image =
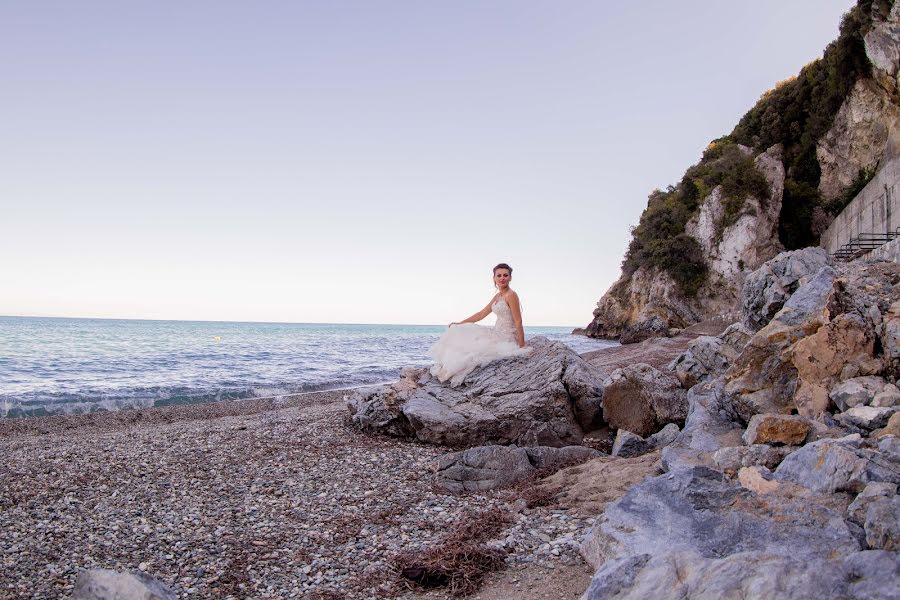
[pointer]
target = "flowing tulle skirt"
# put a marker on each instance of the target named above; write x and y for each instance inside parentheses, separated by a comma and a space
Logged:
(467, 346)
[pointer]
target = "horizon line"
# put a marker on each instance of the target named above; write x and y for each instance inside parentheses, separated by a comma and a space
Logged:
(244, 322)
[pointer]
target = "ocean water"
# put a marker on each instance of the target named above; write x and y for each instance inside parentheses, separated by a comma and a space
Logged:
(66, 366)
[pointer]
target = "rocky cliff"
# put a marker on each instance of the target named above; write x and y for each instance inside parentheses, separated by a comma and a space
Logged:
(814, 150)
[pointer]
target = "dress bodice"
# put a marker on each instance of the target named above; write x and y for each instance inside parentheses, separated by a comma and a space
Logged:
(505, 327)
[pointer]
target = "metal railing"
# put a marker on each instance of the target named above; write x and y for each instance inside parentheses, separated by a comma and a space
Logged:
(862, 244)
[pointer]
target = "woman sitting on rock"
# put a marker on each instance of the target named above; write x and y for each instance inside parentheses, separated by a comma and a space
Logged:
(466, 345)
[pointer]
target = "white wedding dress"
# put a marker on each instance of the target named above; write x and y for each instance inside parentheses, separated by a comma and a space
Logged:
(468, 345)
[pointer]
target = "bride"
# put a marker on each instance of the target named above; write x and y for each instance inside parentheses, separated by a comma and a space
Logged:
(466, 345)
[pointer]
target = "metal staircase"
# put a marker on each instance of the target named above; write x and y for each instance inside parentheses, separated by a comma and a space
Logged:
(862, 244)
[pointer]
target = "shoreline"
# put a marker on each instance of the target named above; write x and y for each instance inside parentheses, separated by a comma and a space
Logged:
(154, 415)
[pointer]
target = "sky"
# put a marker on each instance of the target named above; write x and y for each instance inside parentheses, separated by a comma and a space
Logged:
(358, 162)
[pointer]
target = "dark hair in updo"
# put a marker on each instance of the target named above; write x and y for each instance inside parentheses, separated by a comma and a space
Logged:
(503, 266)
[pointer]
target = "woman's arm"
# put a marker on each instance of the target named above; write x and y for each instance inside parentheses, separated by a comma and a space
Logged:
(512, 299)
(477, 316)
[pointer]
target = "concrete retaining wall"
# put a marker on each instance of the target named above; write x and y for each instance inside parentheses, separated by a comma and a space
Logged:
(876, 209)
(889, 251)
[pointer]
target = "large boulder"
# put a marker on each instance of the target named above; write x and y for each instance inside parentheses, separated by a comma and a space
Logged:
(867, 575)
(867, 417)
(106, 584)
(717, 532)
(709, 427)
(767, 289)
(840, 465)
(487, 467)
(642, 399)
(548, 398)
(708, 356)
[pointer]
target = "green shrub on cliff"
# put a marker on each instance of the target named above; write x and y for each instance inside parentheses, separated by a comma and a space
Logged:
(796, 114)
(659, 240)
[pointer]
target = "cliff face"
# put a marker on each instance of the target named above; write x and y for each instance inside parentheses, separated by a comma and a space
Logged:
(736, 233)
(649, 302)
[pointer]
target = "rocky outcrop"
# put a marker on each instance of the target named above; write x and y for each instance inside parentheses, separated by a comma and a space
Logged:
(858, 138)
(645, 305)
(869, 119)
(488, 467)
(752, 239)
(648, 303)
(549, 398)
(642, 400)
(833, 328)
(865, 131)
(106, 584)
(882, 44)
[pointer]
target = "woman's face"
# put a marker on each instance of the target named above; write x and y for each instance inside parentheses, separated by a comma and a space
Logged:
(502, 278)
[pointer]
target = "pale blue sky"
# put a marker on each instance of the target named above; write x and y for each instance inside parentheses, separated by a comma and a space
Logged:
(358, 161)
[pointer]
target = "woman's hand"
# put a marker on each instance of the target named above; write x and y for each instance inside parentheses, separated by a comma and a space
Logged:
(452, 324)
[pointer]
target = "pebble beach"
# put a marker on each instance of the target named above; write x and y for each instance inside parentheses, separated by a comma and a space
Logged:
(267, 498)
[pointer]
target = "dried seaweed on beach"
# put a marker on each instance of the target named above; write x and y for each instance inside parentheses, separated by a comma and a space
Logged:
(461, 559)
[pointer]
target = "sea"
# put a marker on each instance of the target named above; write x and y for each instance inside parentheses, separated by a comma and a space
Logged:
(51, 366)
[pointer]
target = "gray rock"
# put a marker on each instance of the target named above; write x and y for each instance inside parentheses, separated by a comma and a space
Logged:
(867, 575)
(707, 357)
(488, 467)
(548, 398)
(664, 436)
(890, 336)
(856, 512)
(872, 575)
(810, 299)
(889, 396)
(767, 289)
(836, 465)
(732, 459)
(628, 445)
(697, 511)
(866, 417)
(106, 584)
(858, 391)
(708, 427)
(642, 399)
(702, 360)
(883, 524)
